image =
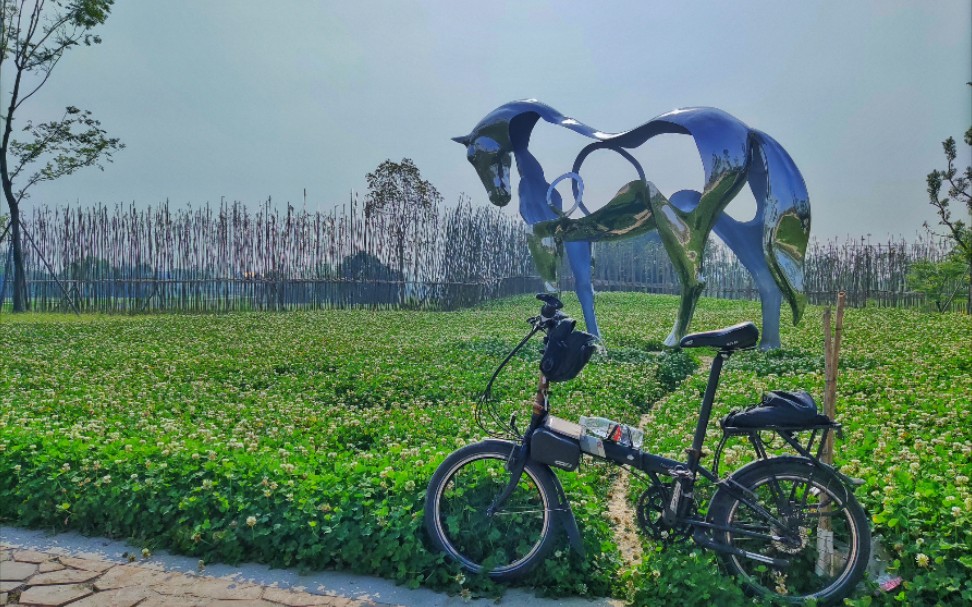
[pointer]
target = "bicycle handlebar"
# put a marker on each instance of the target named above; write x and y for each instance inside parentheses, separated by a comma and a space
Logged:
(550, 310)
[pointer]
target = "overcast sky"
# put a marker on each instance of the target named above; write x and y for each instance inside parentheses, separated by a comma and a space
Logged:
(242, 100)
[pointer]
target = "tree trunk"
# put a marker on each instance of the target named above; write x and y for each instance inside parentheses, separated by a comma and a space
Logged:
(968, 302)
(20, 278)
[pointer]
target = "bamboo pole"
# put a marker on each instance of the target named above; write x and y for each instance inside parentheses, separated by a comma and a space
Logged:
(830, 397)
(826, 554)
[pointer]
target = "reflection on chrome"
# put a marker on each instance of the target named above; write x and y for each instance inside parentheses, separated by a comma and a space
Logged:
(771, 246)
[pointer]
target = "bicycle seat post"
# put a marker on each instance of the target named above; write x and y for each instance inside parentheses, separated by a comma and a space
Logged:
(695, 452)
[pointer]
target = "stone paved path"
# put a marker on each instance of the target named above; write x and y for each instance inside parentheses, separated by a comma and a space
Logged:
(48, 579)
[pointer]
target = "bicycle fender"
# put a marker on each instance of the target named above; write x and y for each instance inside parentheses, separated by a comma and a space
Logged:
(813, 464)
(563, 511)
(567, 519)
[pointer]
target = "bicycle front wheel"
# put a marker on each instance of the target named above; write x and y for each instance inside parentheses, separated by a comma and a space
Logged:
(511, 542)
(790, 510)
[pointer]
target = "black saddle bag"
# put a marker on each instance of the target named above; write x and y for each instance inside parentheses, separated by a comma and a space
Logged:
(778, 408)
(566, 351)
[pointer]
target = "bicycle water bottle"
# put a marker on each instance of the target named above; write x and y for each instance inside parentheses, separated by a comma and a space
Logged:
(611, 430)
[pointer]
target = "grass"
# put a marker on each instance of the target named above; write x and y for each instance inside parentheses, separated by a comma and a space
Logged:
(306, 438)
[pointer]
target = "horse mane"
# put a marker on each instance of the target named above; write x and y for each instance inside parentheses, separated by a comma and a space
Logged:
(522, 116)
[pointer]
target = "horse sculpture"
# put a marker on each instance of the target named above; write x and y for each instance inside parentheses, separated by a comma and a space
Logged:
(771, 246)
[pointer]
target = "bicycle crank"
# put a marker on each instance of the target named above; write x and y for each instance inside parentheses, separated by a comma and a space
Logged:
(651, 520)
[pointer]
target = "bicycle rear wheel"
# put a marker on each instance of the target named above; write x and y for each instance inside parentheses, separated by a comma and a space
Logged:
(820, 529)
(511, 542)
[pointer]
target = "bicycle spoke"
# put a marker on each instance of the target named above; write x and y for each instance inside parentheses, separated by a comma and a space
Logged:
(796, 510)
(500, 540)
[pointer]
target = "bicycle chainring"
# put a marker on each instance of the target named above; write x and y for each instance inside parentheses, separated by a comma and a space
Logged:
(650, 506)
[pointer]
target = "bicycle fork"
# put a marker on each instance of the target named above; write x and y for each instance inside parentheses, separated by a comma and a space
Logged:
(519, 456)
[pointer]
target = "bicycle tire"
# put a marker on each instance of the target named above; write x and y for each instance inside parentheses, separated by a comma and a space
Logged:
(801, 495)
(517, 538)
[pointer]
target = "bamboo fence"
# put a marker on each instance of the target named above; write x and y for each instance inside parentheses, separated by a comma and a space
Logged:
(228, 257)
(870, 273)
(225, 258)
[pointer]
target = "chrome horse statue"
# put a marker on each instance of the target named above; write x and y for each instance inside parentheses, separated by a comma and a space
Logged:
(771, 246)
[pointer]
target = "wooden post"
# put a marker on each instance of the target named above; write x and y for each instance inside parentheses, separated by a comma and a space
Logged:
(826, 562)
(828, 349)
(832, 357)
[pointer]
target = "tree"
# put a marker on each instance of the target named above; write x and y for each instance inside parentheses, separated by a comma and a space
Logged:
(398, 191)
(960, 192)
(34, 35)
(940, 281)
(369, 281)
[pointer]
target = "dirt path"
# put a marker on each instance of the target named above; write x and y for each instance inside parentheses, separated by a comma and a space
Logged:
(621, 510)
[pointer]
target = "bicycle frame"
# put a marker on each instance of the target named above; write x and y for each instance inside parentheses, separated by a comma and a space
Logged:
(642, 460)
(684, 473)
(775, 511)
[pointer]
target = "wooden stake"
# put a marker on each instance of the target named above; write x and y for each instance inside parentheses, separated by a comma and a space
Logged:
(832, 368)
(828, 367)
(826, 564)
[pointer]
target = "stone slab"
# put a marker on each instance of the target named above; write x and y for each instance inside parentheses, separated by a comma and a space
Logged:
(64, 576)
(53, 596)
(296, 599)
(88, 564)
(119, 597)
(13, 571)
(49, 566)
(122, 576)
(30, 556)
(212, 588)
(169, 601)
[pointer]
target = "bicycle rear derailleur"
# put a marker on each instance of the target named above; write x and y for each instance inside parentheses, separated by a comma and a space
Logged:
(651, 505)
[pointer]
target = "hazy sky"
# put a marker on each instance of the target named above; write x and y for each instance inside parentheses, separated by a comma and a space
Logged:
(244, 99)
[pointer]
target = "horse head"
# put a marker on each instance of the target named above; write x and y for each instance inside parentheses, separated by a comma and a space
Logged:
(490, 152)
(504, 132)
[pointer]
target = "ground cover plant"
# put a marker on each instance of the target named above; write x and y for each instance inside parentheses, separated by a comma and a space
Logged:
(293, 439)
(306, 438)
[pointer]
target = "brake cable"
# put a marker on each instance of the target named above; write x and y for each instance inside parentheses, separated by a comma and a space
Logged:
(486, 396)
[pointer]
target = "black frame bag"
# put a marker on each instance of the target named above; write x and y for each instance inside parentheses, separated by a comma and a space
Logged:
(566, 351)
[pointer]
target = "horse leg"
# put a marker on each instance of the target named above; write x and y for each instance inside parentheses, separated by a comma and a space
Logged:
(579, 257)
(745, 240)
(770, 299)
(691, 290)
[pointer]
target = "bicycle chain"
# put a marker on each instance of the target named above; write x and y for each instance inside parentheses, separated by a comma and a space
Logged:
(651, 503)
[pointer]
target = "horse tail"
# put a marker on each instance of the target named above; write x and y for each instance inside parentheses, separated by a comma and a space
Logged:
(776, 180)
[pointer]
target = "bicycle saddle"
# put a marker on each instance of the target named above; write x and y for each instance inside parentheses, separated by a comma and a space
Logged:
(737, 337)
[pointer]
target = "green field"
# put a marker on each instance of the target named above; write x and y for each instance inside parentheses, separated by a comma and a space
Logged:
(307, 439)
